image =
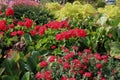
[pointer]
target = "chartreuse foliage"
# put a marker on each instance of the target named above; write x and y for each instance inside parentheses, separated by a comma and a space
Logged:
(72, 10)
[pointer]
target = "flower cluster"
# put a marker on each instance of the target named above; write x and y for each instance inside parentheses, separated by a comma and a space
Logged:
(71, 34)
(75, 65)
(46, 75)
(57, 24)
(3, 25)
(9, 12)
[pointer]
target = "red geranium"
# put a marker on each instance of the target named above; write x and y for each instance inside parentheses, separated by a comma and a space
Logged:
(20, 23)
(63, 78)
(28, 23)
(72, 79)
(39, 75)
(66, 65)
(87, 74)
(0, 12)
(52, 58)
(9, 11)
(3, 25)
(33, 32)
(20, 32)
(99, 65)
(97, 56)
(43, 64)
(48, 75)
(13, 33)
(53, 47)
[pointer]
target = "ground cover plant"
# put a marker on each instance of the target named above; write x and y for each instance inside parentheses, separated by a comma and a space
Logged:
(77, 46)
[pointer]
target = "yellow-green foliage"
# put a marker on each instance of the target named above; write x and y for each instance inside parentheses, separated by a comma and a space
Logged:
(71, 10)
(53, 7)
(78, 10)
(110, 10)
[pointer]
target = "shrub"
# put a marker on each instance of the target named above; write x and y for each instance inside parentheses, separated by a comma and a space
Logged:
(39, 15)
(72, 10)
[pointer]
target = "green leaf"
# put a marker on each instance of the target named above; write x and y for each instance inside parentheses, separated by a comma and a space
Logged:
(1, 71)
(26, 76)
(27, 38)
(16, 56)
(7, 77)
(32, 61)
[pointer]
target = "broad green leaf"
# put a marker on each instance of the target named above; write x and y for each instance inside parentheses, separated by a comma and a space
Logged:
(26, 76)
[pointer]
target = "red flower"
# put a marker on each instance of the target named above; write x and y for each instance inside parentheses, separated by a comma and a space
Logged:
(87, 74)
(85, 67)
(63, 78)
(99, 65)
(20, 23)
(72, 79)
(0, 12)
(33, 32)
(76, 62)
(43, 64)
(9, 12)
(57, 24)
(110, 35)
(53, 47)
(68, 56)
(52, 58)
(59, 37)
(104, 57)
(97, 56)
(66, 50)
(48, 75)
(85, 60)
(20, 32)
(3, 25)
(81, 33)
(39, 75)
(13, 33)
(60, 61)
(41, 30)
(75, 47)
(71, 33)
(66, 65)
(99, 73)
(80, 53)
(37, 28)
(81, 71)
(28, 23)
(11, 26)
(103, 79)
(87, 50)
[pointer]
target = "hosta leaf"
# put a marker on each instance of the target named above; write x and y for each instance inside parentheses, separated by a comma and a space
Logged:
(26, 76)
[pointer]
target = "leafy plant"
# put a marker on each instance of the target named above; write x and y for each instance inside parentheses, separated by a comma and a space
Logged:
(39, 15)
